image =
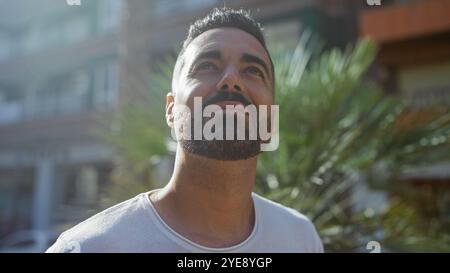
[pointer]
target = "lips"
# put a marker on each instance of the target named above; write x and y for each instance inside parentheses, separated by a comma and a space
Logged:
(223, 98)
(223, 104)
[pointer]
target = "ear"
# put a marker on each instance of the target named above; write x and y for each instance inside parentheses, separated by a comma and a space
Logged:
(169, 109)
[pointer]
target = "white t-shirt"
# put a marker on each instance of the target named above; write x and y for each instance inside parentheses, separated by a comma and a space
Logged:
(135, 226)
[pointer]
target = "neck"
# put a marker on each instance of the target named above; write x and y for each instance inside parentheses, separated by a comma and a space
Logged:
(209, 201)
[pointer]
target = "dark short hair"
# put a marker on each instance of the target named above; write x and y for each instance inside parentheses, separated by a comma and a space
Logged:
(226, 17)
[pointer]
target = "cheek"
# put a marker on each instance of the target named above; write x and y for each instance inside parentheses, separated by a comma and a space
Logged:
(194, 88)
(259, 93)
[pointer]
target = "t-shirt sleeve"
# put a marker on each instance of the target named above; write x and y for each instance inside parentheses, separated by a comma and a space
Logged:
(318, 246)
(62, 246)
(309, 234)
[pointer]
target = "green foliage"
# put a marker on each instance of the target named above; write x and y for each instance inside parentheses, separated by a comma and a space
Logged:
(334, 126)
(139, 134)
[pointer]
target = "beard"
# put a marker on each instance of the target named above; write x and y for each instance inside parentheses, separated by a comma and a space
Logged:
(226, 150)
(222, 149)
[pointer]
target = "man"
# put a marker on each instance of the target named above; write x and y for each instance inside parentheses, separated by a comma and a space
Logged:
(208, 204)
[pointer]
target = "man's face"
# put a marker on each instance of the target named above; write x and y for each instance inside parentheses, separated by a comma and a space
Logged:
(222, 61)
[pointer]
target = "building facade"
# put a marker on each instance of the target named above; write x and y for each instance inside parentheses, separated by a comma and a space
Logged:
(414, 62)
(58, 71)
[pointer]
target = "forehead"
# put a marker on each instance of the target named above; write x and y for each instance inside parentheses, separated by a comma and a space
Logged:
(231, 42)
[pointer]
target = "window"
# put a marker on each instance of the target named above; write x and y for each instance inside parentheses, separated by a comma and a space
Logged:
(5, 46)
(39, 36)
(10, 108)
(164, 7)
(106, 84)
(67, 94)
(286, 33)
(16, 199)
(86, 188)
(109, 15)
(76, 29)
(425, 85)
(43, 35)
(80, 186)
(73, 92)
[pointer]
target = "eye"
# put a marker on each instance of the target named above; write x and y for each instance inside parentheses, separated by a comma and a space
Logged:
(253, 70)
(205, 66)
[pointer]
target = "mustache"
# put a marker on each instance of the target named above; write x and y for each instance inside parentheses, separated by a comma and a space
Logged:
(224, 96)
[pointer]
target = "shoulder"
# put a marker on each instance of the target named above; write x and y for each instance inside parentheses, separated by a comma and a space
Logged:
(289, 222)
(97, 233)
(276, 210)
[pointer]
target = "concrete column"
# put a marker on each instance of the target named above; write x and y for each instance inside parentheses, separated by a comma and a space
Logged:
(45, 175)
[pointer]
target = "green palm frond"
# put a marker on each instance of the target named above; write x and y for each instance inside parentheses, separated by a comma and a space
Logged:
(334, 125)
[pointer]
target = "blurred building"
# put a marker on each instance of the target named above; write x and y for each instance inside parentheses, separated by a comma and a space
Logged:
(414, 62)
(58, 71)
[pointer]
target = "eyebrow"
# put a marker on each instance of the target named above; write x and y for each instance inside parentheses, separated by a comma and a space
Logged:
(249, 58)
(246, 57)
(213, 54)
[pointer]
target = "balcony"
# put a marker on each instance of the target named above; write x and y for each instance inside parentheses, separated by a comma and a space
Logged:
(407, 21)
(52, 130)
(410, 33)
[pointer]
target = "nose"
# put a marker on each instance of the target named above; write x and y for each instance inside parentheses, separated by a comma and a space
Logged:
(230, 81)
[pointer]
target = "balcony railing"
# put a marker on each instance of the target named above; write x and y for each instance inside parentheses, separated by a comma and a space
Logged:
(428, 97)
